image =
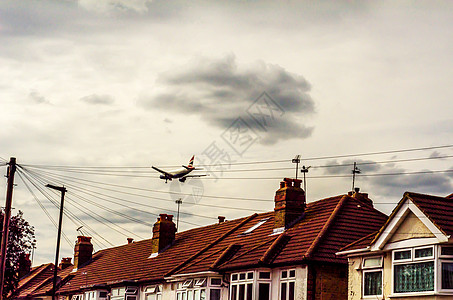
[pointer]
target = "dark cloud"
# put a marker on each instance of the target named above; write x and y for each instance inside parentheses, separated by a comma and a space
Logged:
(393, 180)
(267, 97)
(98, 99)
(345, 167)
(37, 97)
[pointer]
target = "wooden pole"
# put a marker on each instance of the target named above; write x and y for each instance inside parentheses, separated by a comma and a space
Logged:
(6, 220)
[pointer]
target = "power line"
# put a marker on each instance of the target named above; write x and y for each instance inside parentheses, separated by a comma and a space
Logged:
(263, 162)
(71, 216)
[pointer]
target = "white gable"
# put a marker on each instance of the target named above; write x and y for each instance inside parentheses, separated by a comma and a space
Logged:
(424, 231)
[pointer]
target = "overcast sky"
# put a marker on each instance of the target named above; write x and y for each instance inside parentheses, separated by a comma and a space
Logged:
(136, 83)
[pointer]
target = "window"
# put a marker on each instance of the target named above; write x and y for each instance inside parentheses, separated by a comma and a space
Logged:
(153, 292)
(287, 284)
(372, 276)
(250, 230)
(413, 270)
(245, 285)
(199, 289)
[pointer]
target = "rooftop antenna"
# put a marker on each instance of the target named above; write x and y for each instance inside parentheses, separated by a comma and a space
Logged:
(296, 160)
(178, 202)
(80, 230)
(356, 170)
(305, 171)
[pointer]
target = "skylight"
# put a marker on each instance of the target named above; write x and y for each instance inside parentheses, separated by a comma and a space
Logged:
(261, 222)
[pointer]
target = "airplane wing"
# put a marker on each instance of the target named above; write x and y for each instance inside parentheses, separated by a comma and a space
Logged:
(196, 175)
(163, 172)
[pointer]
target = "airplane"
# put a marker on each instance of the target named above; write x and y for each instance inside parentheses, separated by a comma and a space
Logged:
(182, 174)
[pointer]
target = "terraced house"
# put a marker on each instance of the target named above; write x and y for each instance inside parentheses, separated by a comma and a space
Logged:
(287, 254)
(410, 257)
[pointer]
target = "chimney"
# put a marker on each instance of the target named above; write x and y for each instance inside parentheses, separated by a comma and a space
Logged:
(164, 231)
(130, 240)
(65, 262)
(24, 265)
(289, 203)
(83, 251)
(362, 197)
(221, 219)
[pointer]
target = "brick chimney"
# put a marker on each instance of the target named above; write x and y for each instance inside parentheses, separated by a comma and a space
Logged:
(65, 262)
(362, 197)
(83, 251)
(164, 231)
(289, 203)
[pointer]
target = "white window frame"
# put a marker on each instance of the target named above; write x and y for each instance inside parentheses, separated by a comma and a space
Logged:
(286, 280)
(198, 284)
(153, 290)
(372, 269)
(255, 281)
(414, 260)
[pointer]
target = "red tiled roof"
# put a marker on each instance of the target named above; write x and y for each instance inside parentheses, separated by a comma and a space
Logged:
(326, 226)
(33, 280)
(438, 209)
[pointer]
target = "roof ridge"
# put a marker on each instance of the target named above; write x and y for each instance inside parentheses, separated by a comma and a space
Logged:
(38, 271)
(253, 248)
(210, 245)
(358, 241)
(277, 246)
(326, 227)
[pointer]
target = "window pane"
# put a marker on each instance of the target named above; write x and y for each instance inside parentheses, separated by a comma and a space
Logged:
(203, 294)
(196, 295)
(403, 255)
(284, 274)
(292, 273)
(265, 275)
(372, 283)
(372, 262)
(250, 275)
(414, 277)
(263, 291)
(234, 277)
(214, 294)
(446, 251)
(242, 276)
(447, 275)
(283, 291)
(216, 281)
(425, 252)
(291, 291)
(234, 290)
(249, 291)
(241, 292)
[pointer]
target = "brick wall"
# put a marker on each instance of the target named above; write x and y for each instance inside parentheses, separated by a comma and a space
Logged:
(328, 282)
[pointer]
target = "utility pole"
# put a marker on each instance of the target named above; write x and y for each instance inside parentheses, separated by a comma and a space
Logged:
(354, 171)
(296, 160)
(179, 202)
(6, 219)
(63, 190)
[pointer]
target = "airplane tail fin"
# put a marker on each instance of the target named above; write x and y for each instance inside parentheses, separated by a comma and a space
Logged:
(191, 162)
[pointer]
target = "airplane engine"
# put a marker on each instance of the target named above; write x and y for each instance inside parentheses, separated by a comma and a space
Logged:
(182, 179)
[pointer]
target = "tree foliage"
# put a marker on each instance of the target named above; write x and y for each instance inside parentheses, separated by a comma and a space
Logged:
(21, 239)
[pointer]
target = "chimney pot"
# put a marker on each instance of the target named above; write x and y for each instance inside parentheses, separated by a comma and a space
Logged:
(356, 189)
(170, 218)
(65, 262)
(282, 184)
(221, 219)
(130, 240)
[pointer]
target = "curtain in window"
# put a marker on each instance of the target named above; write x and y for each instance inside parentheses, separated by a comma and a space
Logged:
(414, 277)
(373, 283)
(447, 275)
